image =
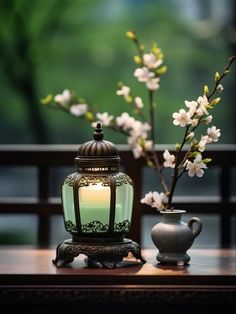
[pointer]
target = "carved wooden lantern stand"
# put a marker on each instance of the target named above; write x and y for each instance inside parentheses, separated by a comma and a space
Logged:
(97, 205)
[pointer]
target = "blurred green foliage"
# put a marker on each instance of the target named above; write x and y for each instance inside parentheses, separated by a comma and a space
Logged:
(47, 46)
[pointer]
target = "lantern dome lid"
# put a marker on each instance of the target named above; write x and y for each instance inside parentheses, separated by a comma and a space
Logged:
(98, 147)
(97, 154)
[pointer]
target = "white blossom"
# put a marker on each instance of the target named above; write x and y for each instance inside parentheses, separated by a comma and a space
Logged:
(194, 122)
(137, 151)
(202, 143)
(132, 141)
(202, 100)
(151, 61)
(202, 106)
(143, 74)
(182, 118)
(154, 199)
(152, 83)
(125, 121)
(192, 105)
(169, 159)
(140, 129)
(208, 119)
(146, 127)
(158, 200)
(104, 118)
(219, 89)
(123, 91)
(147, 199)
(138, 102)
(213, 134)
(196, 167)
(64, 98)
(79, 109)
(190, 136)
(138, 132)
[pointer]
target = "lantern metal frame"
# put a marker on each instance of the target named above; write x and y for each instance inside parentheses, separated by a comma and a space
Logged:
(104, 245)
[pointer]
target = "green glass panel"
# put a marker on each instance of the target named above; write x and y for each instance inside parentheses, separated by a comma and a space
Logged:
(94, 203)
(68, 201)
(124, 202)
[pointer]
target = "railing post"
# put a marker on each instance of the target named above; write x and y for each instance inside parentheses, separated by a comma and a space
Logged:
(43, 234)
(225, 222)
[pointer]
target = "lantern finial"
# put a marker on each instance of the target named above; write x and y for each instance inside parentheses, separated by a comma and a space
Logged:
(98, 134)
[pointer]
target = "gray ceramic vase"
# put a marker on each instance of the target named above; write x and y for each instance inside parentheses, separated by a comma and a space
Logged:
(173, 237)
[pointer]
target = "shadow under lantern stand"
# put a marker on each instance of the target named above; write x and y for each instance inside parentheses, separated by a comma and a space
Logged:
(97, 206)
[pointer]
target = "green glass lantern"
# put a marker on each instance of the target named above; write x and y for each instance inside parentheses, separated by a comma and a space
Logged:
(97, 205)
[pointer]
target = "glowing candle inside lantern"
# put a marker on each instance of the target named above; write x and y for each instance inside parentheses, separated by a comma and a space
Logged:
(95, 204)
(94, 194)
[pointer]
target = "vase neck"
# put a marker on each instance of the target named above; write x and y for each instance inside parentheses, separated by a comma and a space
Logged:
(172, 217)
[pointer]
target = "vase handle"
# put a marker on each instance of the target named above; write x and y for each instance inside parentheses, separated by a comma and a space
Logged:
(198, 228)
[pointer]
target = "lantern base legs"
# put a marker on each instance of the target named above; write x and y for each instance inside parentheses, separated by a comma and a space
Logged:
(98, 254)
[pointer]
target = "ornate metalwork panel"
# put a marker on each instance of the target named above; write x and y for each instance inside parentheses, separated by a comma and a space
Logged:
(70, 227)
(97, 226)
(70, 179)
(122, 178)
(94, 227)
(123, 226)
(87, 180)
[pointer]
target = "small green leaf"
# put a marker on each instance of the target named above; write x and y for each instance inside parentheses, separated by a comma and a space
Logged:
(161, 70)
(206, 160)
(131, 35)
(193, 154)
(177, 147)
(215, 101)
(89, 116)
(138, 60)
(150, 164)
(142, 47)
(217, 76)
(206, 90)
(46, 100)
(129, 99)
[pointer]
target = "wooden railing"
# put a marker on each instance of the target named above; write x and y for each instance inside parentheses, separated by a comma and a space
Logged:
(44, 157)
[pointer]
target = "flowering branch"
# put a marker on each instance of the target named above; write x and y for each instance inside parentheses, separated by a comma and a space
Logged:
(197, 110)
(140, 131)
(152, 115)
(150, 74)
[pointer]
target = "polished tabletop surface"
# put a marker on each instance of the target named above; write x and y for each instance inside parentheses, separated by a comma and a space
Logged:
(207, 266)
(27, 276)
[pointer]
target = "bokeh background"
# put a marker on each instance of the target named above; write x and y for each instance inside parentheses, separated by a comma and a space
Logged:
(49, 45)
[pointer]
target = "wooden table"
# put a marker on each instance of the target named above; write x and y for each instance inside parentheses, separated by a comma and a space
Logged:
(27, 276)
